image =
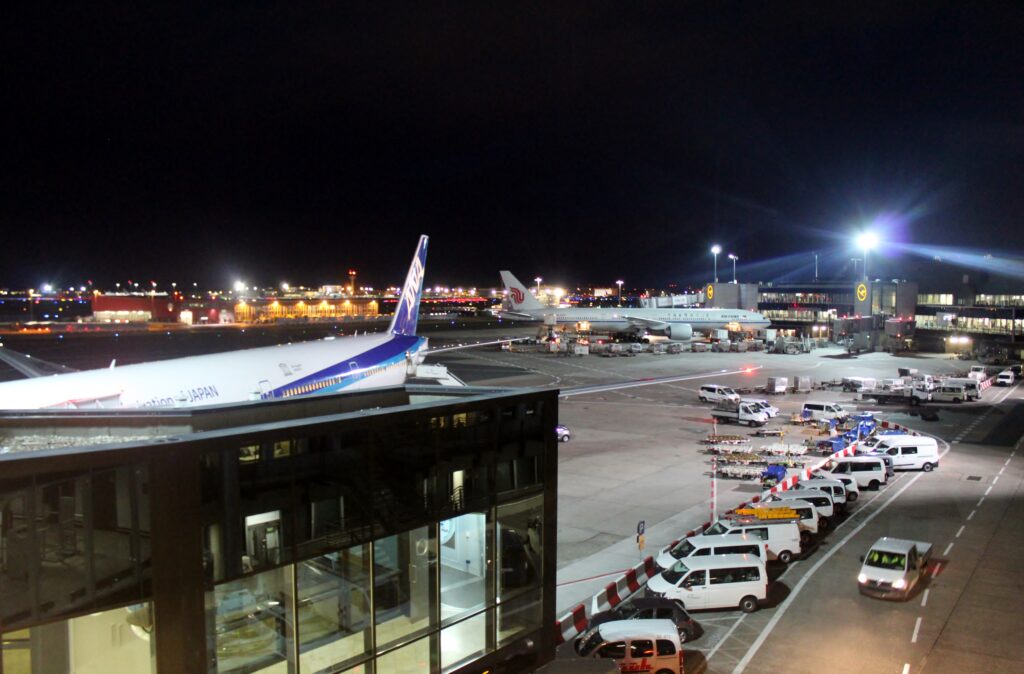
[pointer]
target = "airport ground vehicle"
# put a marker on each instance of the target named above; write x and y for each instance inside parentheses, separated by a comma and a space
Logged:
(562, 433)
(834, 488)
(1004, 378)
(715, 393)
(749, 414)
(702, 546)
(652, 608)
(782, 537)
(805, 514)
(893, 567)
(910, 452)
(868, 471)
(824, 411)
(635, 645)
(978, 372)
(971, 386)
(852, 490)
(914, 394)
(950, 393)
(720, 581)
(776, 385)
(771, 410)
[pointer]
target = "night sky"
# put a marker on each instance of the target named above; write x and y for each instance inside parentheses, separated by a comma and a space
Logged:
(581, 142)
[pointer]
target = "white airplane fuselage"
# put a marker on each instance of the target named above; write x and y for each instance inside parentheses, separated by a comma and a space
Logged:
(266, 373)
(614, 319)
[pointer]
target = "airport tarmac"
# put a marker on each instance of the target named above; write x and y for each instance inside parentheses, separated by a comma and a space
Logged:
(635, 455)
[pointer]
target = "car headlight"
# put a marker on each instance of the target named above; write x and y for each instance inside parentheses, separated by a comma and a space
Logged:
(899, 584)
(862, 578)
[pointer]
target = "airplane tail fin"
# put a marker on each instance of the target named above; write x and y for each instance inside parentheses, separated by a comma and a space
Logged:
(519, 297)
(408, 308)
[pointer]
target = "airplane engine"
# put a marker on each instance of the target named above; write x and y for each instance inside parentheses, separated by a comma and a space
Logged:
(679, 333)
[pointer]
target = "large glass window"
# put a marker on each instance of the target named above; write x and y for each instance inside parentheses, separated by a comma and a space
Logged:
(465, 572)
(463, 642)
(520, 553)
(249, 622)
(334, 609)
(411, 659)
(404, 568)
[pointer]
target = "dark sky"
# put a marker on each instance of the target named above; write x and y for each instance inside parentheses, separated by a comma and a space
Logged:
(289, 141)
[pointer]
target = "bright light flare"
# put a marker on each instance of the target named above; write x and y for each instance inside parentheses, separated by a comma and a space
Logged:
(716, 249)
(867, 240)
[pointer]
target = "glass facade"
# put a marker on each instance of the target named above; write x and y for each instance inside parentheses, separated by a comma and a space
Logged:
(400, 541)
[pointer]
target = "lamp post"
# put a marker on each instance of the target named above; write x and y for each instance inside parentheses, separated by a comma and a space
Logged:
(854, 260)
(715, 250)
(537, 281)
(867, 241)
(733, 258)
(619, 283)
(815, 267)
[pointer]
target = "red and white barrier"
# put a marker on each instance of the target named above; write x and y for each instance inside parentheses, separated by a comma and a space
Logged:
(624, 586)
(571, 624)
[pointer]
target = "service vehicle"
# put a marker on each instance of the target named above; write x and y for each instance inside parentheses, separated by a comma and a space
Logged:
(890, 466)
(819, 498)
(715, 393)
(771, 410)
(562, 433)
(868, 471)
(776, 385)
(914, 394)
(703, 545)
(635, 645)
(854, 384)
(979, 372)
(834, 488)
(651, 608)
(972, 387)
(893, 567)
(805, 514)
(950, 393)
(849, 484)
(910, 452)
(824, 411)
(1004, 378)
(721, 581)
(781, 536)
(748, 414)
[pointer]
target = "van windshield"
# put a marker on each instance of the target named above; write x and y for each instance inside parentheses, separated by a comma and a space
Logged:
(716, 529)
(673, 575)
(590, 640)
(886, 560)
(683, 549)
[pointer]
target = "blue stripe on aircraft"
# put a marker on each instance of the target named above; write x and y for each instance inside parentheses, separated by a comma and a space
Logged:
(390, 352)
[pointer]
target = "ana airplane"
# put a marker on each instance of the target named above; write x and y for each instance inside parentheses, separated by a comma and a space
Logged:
(329, 365)
(676, 324)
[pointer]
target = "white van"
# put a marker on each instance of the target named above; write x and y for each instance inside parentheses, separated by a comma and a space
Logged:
(834, 488)
(950, 393)
(702, 546)
(782, 537)
(819, 498)
(971, 386)
(635, 645)
(1004, 378)
(771, 410)
(911, 452)
(852, 490)
(715, 393)
(822, 411)
(868, 471)
(809, 522)
(722, 581)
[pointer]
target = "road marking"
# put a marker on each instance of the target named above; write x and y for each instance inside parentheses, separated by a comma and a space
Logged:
(1007, 463)
(767, 630)
(988, 490)
(725, 636)
(960, 530)
(935, 571)
(1002, 469)
(980, 501)
(948, 548)
(924, 599)
(995, 479)
(917, 628)
(906, 668)
(969, 517)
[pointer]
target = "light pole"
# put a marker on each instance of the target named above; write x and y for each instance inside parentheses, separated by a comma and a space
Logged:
(733, 258)
(537, 281)
(715, 250)
(867, 241)
(619, 283)
(854, 260)
(815, 267)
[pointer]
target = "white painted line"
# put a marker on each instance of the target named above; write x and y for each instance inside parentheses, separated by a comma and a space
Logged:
(995, 479)
(935, 571)
(988, 490)
(948, 548)
(980, 501)
(960, 530)
(1002, 469)
(781, 611)
(924, 599)
(971, 516)
(917, 628)
(1007, 463)
(1013, 453)
(725, 637)
(906, 668)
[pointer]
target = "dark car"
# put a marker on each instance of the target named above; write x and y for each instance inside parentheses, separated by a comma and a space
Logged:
(652, 607)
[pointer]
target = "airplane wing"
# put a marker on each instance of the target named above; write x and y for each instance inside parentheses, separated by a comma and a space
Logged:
(519, 314)
(29, 366)
(458, 347)
(646, 323)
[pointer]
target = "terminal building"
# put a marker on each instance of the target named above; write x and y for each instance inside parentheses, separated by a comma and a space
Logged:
(387, 531)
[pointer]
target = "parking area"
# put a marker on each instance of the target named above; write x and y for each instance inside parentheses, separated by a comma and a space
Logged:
(636, 454)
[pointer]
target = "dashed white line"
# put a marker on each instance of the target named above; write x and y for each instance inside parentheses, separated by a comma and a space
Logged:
(995, 479)
(988, 490)
(924, 599)
(935, 571)
(725, 636)
(948, 548)
(1002, 469)
(969, 517)
(980, 501)
(906, 668)
(960, 530)
(917, 628)
(1007, 463)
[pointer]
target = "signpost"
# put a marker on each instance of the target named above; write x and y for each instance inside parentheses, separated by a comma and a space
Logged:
(641, 527)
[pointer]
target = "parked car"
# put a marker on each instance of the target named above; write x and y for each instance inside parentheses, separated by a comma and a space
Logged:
(716, 393)
(643, 608)
(563, 433)
(771, 410)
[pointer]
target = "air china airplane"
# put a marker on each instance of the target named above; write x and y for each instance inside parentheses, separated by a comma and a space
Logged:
(329, 365)
(677, 324)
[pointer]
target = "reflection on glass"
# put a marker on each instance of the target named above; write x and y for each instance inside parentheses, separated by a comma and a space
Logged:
(463, 641)
(86, 645)
(334, 609)
(464, 567)
(406, 660)
(248, 622)
(520, 557)
(403, 575)
(519, 615)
